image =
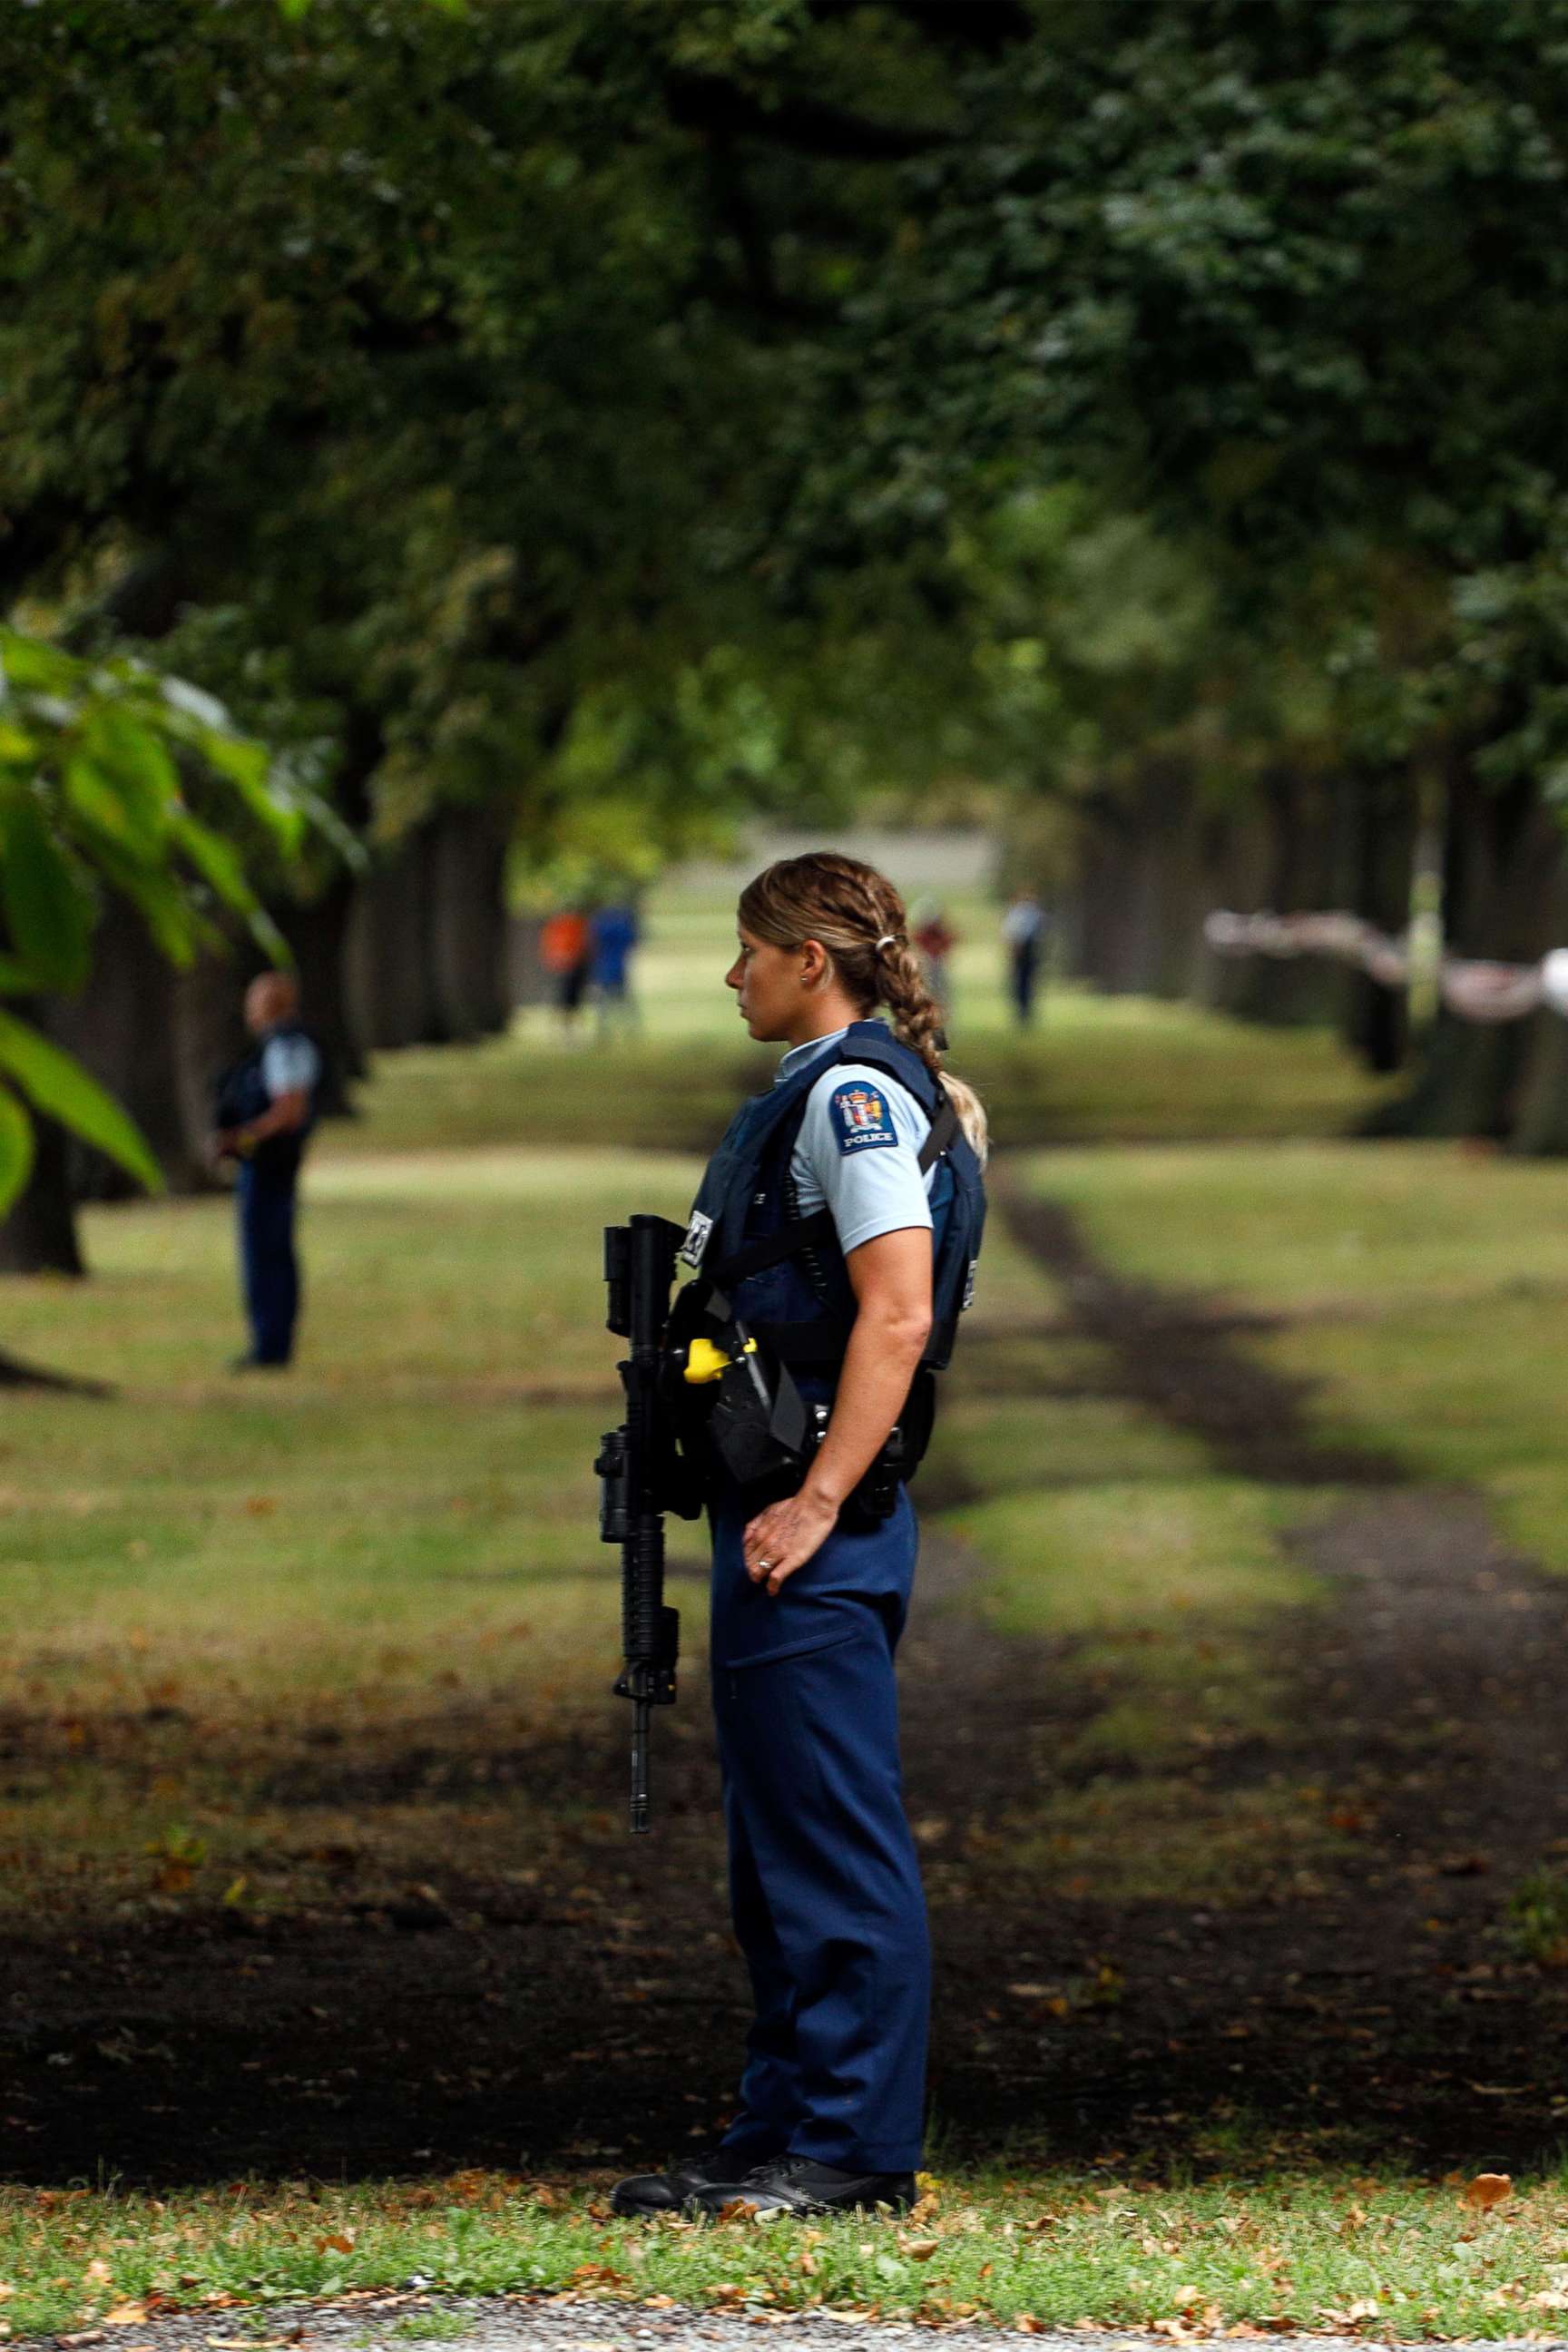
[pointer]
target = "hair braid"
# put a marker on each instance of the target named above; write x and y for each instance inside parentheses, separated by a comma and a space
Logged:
(917, 1015)
(857, 915)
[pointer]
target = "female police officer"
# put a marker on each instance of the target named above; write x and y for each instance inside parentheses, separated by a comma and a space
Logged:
(837, 1224)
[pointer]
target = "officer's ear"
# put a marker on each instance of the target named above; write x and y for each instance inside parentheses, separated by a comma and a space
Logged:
(815, 963)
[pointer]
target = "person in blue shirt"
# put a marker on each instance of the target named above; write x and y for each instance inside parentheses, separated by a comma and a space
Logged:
(612, 932)
(264, 1114)
(811, 1588)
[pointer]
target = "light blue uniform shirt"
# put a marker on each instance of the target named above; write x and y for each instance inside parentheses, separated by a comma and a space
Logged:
(857, 1152)
(289, 1065)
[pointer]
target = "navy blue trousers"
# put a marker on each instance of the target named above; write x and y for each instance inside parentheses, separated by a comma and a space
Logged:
(825, 1884)
(268, 1265)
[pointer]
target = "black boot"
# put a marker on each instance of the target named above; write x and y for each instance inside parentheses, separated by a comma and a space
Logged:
(676, 2191)
(797, 2184)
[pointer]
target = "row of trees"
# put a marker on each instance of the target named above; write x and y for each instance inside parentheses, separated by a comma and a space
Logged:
(1287, 282)
(544, 424)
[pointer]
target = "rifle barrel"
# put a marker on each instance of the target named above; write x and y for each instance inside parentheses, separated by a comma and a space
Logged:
(641, 1811)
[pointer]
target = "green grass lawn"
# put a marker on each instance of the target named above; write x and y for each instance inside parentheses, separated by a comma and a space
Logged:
(1092, 1069)
(1424, 1287)
(1337, 2256)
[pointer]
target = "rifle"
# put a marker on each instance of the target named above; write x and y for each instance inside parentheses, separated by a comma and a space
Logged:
(636, 1465)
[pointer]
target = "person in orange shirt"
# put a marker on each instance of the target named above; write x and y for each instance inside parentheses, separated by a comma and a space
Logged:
(565, 947)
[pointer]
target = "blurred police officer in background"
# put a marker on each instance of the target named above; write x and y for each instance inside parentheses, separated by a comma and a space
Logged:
(1024, 929)
(264, 1110)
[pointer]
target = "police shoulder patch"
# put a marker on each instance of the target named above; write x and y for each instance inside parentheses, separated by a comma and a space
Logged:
(860, 1118)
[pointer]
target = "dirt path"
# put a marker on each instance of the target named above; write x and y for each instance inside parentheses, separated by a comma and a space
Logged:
(1430, 1700)
(580, 2007)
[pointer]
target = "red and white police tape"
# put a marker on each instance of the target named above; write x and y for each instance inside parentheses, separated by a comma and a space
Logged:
(1475, 990)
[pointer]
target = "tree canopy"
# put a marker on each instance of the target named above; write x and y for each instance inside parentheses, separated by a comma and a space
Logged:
(584, 406)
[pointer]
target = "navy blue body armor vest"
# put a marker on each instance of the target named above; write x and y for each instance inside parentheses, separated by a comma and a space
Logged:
(784, 1275)
(241, 1096)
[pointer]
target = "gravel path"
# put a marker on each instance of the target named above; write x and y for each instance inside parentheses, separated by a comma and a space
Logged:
(370, 2323)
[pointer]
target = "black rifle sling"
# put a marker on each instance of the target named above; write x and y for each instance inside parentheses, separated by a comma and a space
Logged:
(944, 1127)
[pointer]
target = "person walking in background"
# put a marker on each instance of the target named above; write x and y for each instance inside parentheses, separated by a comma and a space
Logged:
(264, 1111)
(612, 932)
(565, 947)
(1023, 935)
(934, 940)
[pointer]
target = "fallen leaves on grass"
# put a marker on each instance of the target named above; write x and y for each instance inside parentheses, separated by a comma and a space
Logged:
(1191, 2325)
(1487, 2190)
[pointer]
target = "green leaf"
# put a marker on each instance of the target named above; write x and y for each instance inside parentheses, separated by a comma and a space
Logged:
(130, 753)
(176, 930)
(26, 664)
(315, 808)
(245, 765)
(15, 1149)
(152, 889)
(270, 938)
(56, 1085)
(47, 910)
(94, 793)
(216, 860)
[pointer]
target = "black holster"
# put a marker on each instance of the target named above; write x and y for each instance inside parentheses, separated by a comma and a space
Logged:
(751, 1428)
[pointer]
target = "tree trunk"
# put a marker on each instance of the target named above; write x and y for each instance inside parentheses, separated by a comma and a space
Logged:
(209, 1030)
(469, 918)
(1541, 1126)
(1188, 895)
(1288, 855)
(123, 1027)
(39, 1236)
(317, 930)
(1503, 864)
(528, 982)
(391, 980)
(1116, 932)
(1240, 864)
(1383, 851)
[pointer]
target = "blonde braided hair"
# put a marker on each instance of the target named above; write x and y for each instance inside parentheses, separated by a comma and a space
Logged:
(855, 912)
